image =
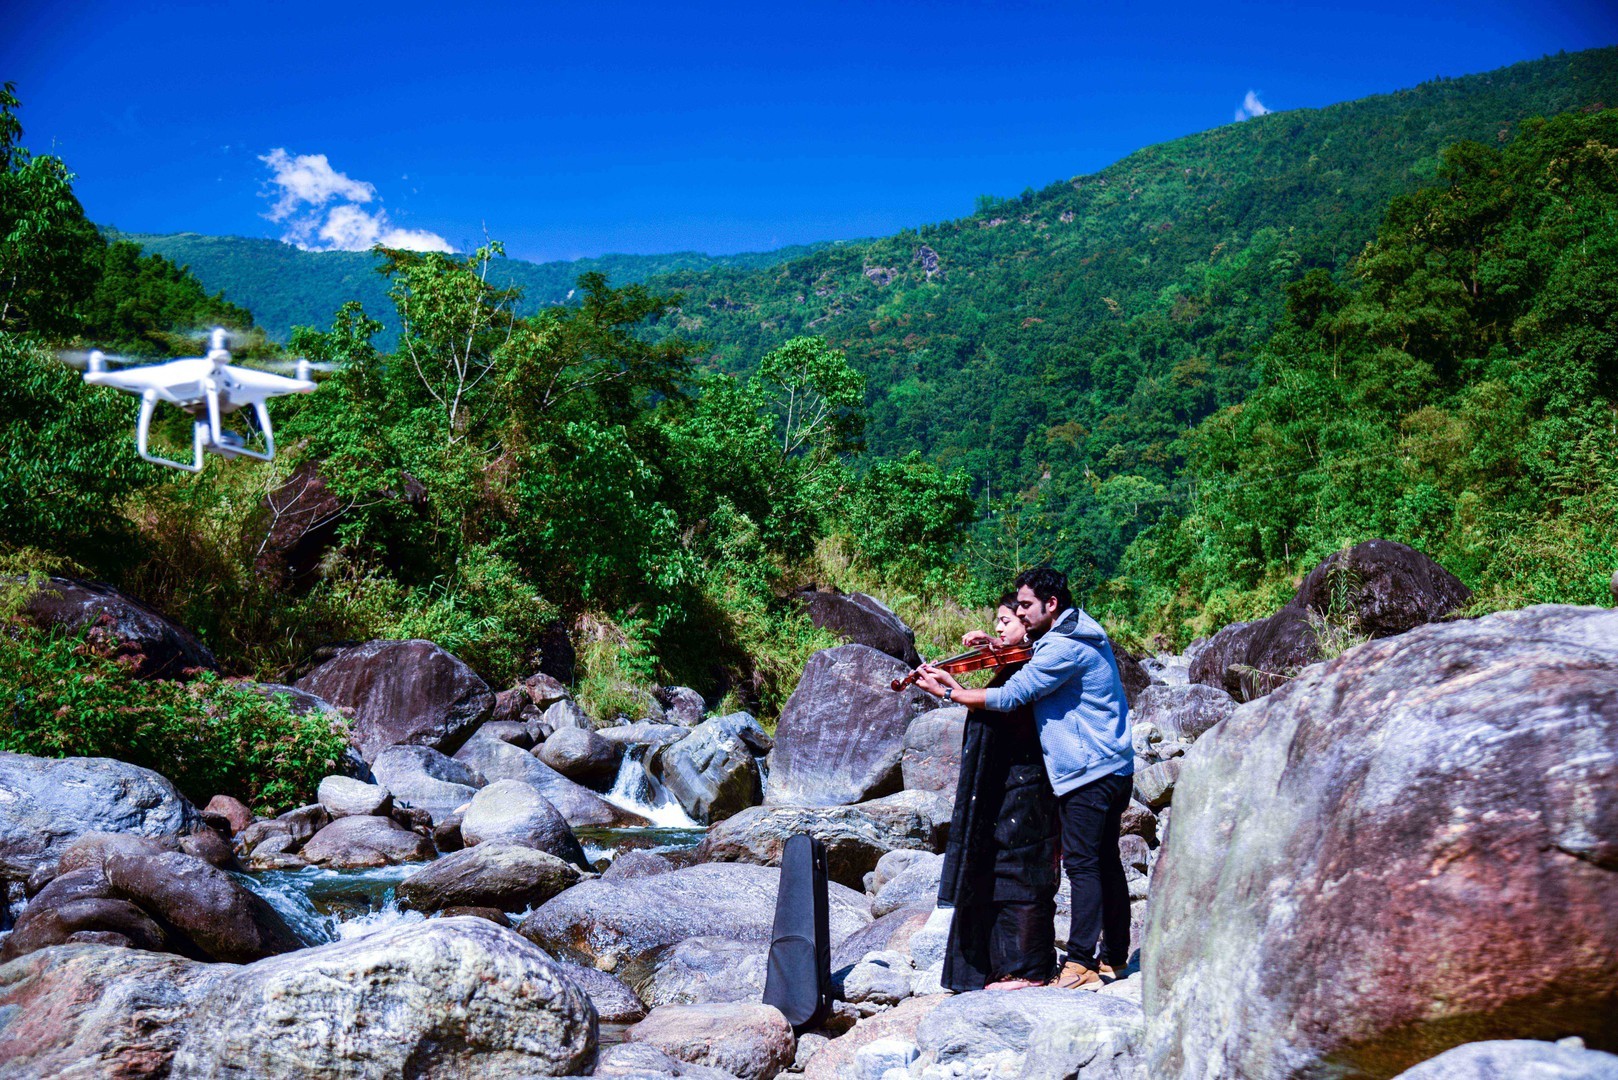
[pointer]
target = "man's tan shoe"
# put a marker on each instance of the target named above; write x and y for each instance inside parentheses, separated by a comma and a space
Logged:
(1075, 976)
(1110, 973)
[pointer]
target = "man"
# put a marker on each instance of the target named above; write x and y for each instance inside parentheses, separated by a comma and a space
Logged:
(1073, 684)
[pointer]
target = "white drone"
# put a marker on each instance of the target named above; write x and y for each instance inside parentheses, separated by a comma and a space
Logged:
(207, 385)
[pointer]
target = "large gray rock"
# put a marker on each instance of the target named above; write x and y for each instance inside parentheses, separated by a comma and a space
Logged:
(890, 932)
(681, 705)
(714, 773)
(991, 1022)
(703, 970)
(861, 619)
(1182, 712)
(156, 646)
(512, 812)
(343, 796)
(402, 693)
(614, 1001)
(854, 838)
(427, 779)
(931, 758)
(642, 733)
(80, 906)
(89, 1011)
(902, 807)
(643, 1061)
(1098, 1038)
(493, 875)
(746, 1040)
(1516, 1059)
(224, 920)
(48, 803)
(448, 997)
(1447, 794)
(496, 760)
(840, 738)
(353, 842)
(627, 927)
(582, 756)
(1381, 587)
(915, 885)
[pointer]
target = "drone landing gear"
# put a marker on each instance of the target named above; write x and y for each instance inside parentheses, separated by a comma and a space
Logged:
(209, 434)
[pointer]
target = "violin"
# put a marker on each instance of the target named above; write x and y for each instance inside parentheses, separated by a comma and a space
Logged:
(979, 659)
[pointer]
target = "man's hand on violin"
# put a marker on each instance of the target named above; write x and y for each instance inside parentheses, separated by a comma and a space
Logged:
(935, 680)
(972, 639)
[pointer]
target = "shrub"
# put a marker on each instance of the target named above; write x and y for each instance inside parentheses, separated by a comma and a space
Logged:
(209, 736)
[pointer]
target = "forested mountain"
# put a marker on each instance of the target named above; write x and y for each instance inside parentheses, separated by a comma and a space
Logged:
(285, 287)
(1058, 345)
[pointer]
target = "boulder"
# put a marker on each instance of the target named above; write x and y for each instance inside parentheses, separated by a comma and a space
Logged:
(643, 1061)
(156, 647)
(96, 1011)
(1154, 785)
(582, 756)
(1139, 821)
(714, 773)
(931, 757)
(544, 690)
(517, 734)
(211, 848)
(1133, 675)
(1445, 794)
(501, 876)
(637, 864)
(890, 932)
(1516, 1059)
(704, 970)
(48, 803)
(446, 997)
(496, 760)
(1182, 712)
(402, 693)
(614, 1001)
(746, 1040)
(365, 841)
(224, 920)
(861, 620)
(75, 904)
(837, 1059)
(854, 838)
(303, 514)
(1379, 589)
(840, 738)
(342, 796)
(902, 807)
(566, 714)
(642, 733)
(627, 927)
(425, 778)
(508, 708)
(304, 822)
(991, 1022)
(681, 705)
(880, 979)
(915, 885)
(512, 812)
(1098, 1038)
(233, 812)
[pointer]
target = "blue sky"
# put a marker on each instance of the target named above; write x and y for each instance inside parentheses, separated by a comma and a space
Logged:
(580, 129)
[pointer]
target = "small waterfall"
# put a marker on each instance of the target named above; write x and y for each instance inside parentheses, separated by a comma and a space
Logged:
(635, 789)
(330, 905)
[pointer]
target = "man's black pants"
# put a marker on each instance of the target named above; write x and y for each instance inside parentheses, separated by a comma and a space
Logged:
(1090, 816)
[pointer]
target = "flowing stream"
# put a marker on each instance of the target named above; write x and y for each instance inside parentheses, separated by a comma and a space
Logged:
(330, 905)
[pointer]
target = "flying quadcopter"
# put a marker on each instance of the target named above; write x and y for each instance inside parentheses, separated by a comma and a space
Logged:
(207, 388)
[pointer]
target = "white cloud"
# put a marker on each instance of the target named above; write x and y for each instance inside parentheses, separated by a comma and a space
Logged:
(1251, 106)
(303, 186)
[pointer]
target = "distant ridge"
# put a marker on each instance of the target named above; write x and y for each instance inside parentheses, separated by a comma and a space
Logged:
(284, 286)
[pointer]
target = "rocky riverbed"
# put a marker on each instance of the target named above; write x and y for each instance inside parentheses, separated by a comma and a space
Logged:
(1396, 861)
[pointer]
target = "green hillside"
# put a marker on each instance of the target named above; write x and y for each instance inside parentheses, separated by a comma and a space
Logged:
(1057, 345)
(284, 286)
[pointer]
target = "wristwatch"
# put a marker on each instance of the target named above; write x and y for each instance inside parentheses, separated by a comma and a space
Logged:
(949, 694)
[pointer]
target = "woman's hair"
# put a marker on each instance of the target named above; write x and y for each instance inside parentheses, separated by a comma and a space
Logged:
(1008, 599)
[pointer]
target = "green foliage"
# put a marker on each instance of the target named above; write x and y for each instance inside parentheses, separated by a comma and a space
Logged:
(142, 303)
(905, 519)
(208, 736)
(1459, 394)
(66, 457)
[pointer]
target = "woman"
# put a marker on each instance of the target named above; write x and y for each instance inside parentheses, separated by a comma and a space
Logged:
(1000, 865)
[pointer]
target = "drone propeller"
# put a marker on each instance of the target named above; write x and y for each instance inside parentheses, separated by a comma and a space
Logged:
(96, 360)
(297, 367)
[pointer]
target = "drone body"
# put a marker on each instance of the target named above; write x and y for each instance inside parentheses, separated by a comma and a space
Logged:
(208, 388)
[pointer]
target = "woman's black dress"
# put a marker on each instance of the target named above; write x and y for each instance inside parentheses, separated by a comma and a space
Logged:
(1000, 865)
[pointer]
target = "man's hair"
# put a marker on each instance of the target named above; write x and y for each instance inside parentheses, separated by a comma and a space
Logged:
(1047, 584)
(1008, 599)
